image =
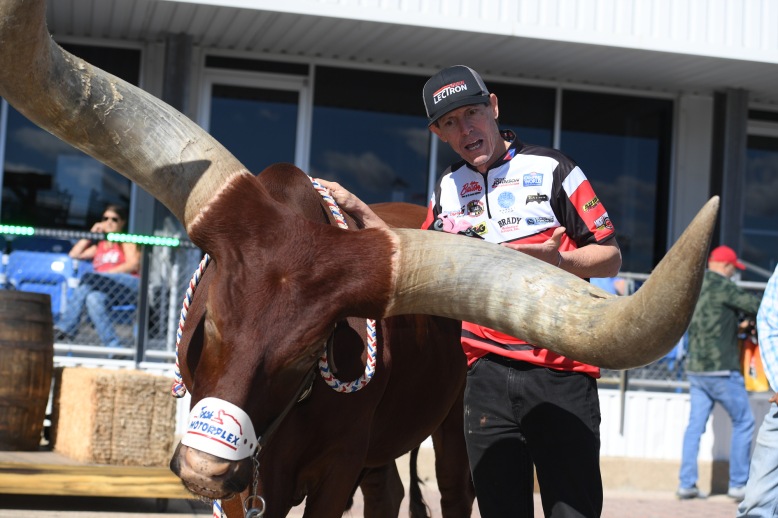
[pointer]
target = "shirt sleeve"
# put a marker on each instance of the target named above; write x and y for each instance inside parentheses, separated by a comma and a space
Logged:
(431, 216)
(579, 209)
(741, 300)
(433, 209)
(767, 330)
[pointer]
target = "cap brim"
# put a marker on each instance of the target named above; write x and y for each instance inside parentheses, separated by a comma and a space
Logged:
(482, 99)
(739, 265)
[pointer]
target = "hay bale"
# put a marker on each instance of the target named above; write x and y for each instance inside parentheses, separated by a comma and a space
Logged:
(116, 417)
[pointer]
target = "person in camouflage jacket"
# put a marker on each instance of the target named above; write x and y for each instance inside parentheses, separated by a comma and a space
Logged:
(713, 370)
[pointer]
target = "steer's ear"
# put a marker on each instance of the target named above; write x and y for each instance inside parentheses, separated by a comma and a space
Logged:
(467, 279)
(132, 132)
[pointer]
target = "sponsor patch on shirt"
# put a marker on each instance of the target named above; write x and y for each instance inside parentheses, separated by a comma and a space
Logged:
(538, 198)
(470, 189)
(475, 208)
(603, 222)
(480, 229)
(506, 200)
(509, 224)
(532, 180)
(504, 181)
(540, 220)
(589, 205)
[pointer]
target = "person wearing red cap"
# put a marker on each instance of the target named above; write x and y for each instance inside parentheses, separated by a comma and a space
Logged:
(713, 370)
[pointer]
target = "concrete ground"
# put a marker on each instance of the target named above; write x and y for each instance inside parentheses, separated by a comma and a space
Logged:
(618, 504)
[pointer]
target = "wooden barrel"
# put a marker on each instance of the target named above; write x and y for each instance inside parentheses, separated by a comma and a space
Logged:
(26, 363)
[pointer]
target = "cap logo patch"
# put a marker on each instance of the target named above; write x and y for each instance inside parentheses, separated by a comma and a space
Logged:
(449, 89)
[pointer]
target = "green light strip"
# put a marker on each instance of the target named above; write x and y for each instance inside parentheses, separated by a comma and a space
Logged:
(17, 231)
(138, 239)
(143, 240)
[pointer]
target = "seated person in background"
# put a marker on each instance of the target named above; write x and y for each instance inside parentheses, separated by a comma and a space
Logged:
(615, 285)
(114, 281)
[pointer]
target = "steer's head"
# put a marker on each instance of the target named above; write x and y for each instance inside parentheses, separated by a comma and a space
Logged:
(260, 316)
(278, 283)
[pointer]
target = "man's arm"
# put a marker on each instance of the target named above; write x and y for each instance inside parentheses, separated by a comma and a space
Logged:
(596, 260)
(741, 300)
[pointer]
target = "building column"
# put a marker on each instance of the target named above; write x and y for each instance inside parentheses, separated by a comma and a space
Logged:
(728, 163)
(177, 72)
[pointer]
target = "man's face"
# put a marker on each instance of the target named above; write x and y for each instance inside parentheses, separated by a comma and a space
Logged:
(472, 132)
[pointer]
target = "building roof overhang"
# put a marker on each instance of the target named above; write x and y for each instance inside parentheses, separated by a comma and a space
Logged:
(242, 27)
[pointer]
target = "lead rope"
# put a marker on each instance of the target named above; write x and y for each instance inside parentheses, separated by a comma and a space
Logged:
(179, 389)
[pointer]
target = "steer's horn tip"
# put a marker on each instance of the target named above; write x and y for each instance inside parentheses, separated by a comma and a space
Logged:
(675, 283)
(712, 204)
(708, 215)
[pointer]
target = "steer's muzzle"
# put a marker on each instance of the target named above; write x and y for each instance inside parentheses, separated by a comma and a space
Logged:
(209, 476)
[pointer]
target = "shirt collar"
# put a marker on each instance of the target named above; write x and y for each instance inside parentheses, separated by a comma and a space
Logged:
(510, 153)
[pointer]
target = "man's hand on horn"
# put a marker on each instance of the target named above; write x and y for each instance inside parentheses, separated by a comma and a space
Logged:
(547, 251)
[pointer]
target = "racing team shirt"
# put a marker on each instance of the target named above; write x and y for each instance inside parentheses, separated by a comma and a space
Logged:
(522, 198)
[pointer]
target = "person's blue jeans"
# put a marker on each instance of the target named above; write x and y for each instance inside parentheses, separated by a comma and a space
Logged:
(98, 293)
(761, 499)
(729, 392)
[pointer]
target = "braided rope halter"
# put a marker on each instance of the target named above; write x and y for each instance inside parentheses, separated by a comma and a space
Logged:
(372, 349)
(179, 388)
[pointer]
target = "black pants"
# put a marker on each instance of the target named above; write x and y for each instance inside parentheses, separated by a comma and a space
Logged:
(517, 415)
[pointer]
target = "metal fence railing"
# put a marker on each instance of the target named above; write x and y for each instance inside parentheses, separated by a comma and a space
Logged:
(667, 373)
(144, 319)
(147, 323)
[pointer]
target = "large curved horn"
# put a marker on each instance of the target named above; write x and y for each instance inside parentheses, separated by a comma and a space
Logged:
(127, 129)
(467, 279)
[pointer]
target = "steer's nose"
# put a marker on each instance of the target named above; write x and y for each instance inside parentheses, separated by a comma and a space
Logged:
(205, 463)
(209, 476)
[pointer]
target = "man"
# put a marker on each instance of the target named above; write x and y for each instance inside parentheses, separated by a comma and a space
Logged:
(524, 405)
(761, 496)
(713, 370)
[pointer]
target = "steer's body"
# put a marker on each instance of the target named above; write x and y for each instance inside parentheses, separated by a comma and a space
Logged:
(321, 447)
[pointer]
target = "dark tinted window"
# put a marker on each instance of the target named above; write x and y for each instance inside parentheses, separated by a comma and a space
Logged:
(48, 183)
(123, 63)
(370, 134)
(622, 143)
(760, 212)
(257, 125)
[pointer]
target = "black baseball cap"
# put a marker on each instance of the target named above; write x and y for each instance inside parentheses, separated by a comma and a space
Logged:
(452, 88)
